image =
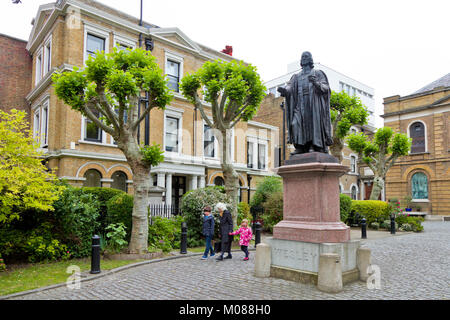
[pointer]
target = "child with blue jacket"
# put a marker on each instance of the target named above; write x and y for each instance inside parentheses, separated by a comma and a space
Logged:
(208, 232)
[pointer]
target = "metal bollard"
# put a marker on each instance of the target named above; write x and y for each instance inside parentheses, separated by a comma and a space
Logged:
(257, 233)
(363, 229)
(392, 224)
(183, 245)
(95, 255)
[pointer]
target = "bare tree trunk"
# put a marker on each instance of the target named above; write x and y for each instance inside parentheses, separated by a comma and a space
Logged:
(229, 173)
(139, 232)
(336, 149)
(378, 184)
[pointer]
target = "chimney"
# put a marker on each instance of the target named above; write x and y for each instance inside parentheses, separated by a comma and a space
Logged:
(228, 50)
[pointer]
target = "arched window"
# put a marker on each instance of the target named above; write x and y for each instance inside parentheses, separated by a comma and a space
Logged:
(354, 193)
(93, 178)
(419, 186)
(119, 181)
(417, 133)
(218, 181)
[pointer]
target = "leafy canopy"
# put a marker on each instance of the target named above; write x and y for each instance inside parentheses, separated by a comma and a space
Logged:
(25, 182)
(347, 110)
(384, 143)
(239, 86)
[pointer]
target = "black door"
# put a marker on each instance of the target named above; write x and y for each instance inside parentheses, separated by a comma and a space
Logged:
(178, 190)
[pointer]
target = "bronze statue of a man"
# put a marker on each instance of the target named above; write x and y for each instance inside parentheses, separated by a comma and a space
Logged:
(307, 97)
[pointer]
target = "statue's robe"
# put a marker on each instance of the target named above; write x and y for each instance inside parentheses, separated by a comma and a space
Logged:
(309, 121)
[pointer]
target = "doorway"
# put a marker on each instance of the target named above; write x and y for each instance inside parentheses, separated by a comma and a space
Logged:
(178, 190)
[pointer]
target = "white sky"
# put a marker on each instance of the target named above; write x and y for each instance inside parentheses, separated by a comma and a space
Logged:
(394, 46)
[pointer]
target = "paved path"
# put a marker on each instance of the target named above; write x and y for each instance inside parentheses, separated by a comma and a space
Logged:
(413, 266)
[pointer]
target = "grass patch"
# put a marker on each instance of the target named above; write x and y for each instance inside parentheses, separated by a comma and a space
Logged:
(33, 276)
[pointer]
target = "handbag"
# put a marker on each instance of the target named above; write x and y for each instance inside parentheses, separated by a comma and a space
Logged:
(217, 246)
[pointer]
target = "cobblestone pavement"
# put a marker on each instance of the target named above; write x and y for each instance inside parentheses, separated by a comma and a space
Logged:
(413, 266)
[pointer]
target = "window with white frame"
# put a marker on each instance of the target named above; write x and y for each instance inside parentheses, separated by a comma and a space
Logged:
(39, 61)
(354, 191)
(174, 70)
(123, 43)
(96, 38)
(171, 134)
(48, 56)
(209, 142)
(91, 131)
(44, 126)
(94, 43)
(352, 164)
(262, 161)
(250, 154)
(37, 124)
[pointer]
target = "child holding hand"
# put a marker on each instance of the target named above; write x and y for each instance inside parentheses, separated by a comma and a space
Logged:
(245, 237)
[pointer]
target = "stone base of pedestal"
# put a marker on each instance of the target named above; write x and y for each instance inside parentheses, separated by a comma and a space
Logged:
(299, 261)
(318, 232)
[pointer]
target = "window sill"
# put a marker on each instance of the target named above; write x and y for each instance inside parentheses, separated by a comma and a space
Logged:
(97, 143)
(418, 153)
(420, 200)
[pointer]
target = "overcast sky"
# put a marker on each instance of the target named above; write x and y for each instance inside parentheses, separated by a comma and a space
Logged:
(394, 46)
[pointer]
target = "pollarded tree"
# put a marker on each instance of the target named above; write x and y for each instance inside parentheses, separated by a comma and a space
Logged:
(346, 111)
(235, 92)
(379, 154)
(107, 91)
(25, 182)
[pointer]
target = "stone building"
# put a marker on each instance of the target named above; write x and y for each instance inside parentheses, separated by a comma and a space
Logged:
(357, 183)
(15, 74)
(424, 174)
(64, 35)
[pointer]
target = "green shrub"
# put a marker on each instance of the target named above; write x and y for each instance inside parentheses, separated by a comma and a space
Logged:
(273, 211)
(41, 249)
(372, 210)
(374, 225)
(164, 234)
(345, 206)
(192, 205)
(265, 188)
(76, 215)
(2, 264)
(414, 222)
(120, 210)
(243, 213)
(116, 233)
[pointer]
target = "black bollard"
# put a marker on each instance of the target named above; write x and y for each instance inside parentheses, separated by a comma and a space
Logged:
(183, 245)
(363, 229)
(95, 255)
(392, 224)
(257, 233)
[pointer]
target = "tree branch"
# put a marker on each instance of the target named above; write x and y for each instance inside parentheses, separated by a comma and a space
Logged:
(142, 116)
(199, 105)
(97, 121)
(111, 114)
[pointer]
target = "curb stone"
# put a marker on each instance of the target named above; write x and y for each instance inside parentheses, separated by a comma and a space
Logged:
(85, 275)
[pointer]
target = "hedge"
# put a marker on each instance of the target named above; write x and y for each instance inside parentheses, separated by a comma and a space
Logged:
(372, 210)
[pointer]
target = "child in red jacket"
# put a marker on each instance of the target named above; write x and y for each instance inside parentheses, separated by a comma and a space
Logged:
(245, 237)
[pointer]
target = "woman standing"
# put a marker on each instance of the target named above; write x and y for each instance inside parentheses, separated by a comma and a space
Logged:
(225, 227)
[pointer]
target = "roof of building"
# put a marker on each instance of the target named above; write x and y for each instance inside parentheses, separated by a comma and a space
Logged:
(441, 82)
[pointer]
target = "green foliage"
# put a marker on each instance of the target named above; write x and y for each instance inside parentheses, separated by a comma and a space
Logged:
(414, 223)
(41, 249)
(264, 189)
(164, 234)
(347, 110)
(345, 206)
(372, 210)
(243, 212)
(273, 210)
(116, 237)
(152, 155)
(374, 225)
(2, 264)
(24, 180)
(120, 210)
(240, 84)
(76, 214)
(192, 205)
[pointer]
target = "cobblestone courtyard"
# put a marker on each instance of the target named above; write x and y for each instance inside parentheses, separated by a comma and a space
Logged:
(413, 266)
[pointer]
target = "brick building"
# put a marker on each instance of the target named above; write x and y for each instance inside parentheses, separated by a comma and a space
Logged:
(425, 173)
(15, 74)
(64, 34)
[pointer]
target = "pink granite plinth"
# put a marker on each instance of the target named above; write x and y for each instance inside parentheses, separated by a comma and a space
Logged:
(311, 203)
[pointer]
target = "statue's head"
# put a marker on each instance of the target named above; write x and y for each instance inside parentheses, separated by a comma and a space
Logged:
(307, 59)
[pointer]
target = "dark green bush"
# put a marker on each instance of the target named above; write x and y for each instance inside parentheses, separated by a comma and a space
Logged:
(76, 215)
(345, 206)
(415, 223)
(372, 210)
(265, 188)
(273, 211)
(120, 210)
(243, 213)
(164, 234)
(192, 205)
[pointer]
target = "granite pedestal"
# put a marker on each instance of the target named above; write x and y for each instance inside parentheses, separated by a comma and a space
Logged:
(311, 222)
